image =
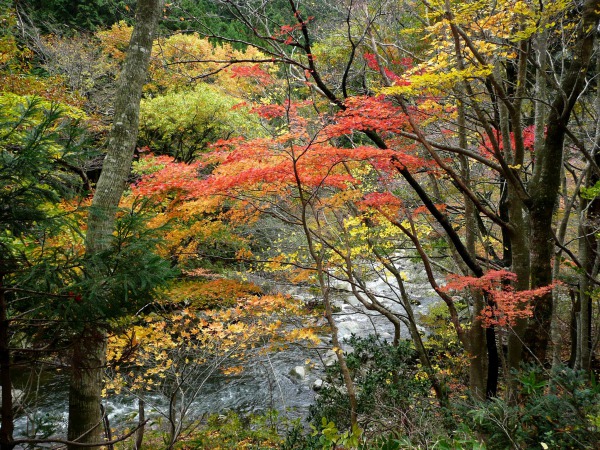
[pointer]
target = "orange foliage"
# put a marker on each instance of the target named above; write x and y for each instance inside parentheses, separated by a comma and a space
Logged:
(52, 88)
(219, 293)
(507, 305)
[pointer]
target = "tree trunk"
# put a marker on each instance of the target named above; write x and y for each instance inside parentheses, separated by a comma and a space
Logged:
(139, 435)
(588, 250)
(573, 328)
(476, 335)
(545, 182)
(85, 388)
(6, 409)
(89, 351)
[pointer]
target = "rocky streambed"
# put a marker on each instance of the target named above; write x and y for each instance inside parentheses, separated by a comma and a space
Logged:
(286, 380)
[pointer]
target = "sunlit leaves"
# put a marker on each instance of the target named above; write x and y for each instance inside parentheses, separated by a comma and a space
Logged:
(168, 348)
(183, 123)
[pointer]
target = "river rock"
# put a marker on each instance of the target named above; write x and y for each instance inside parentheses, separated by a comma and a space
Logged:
(330, 358)
(298, 372)
(349, 327)
(317, 385)
(341, 285)
(321, 322)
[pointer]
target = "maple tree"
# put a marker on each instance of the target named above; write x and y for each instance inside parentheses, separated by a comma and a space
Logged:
(303, 181)
(390, 123)
(478, 74)
(174, 355)
(198, 231)
(507, 306)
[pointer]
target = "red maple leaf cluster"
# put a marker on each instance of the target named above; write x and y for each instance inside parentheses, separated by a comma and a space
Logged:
(507, 305)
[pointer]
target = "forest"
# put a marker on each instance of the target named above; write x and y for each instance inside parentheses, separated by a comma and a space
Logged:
(299, 224)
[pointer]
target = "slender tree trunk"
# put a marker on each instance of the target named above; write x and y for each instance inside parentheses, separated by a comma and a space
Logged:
(476, 334)
(85, 422)
(573, 333)
(6, 409)
(139, 435)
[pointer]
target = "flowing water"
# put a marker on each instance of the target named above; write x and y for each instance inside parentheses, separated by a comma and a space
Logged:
(282, 381)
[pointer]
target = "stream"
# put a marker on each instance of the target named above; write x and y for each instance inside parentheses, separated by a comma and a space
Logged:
(282, 381)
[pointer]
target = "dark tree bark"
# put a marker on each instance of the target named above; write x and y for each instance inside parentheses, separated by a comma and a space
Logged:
(6, 409)
(545, 182)
(85, 418)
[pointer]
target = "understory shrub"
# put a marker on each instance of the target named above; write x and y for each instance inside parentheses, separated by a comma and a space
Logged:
(393, 393)
(558, 412)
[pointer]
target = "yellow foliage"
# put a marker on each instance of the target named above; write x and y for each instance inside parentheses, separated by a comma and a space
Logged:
(492, 29)
(186, 57)
(163, 346)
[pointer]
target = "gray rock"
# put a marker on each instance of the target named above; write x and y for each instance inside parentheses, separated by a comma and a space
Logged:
(348, 327)
(298, 372)
(330, 358)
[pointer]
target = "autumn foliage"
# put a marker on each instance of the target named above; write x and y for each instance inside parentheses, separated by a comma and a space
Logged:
(505, 305)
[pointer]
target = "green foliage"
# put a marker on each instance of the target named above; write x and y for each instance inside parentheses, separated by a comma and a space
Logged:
(388, 382)
(297, 439)
(82, 15)
(101, 288)
(331, 437)
(232, 431)
(561, 413)
(41, 148)
(38, 144)
(462, 439)
(590, 193)
(125, 277)
(182, 124)
(223, 20)
(328, 437)
(213, 15)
